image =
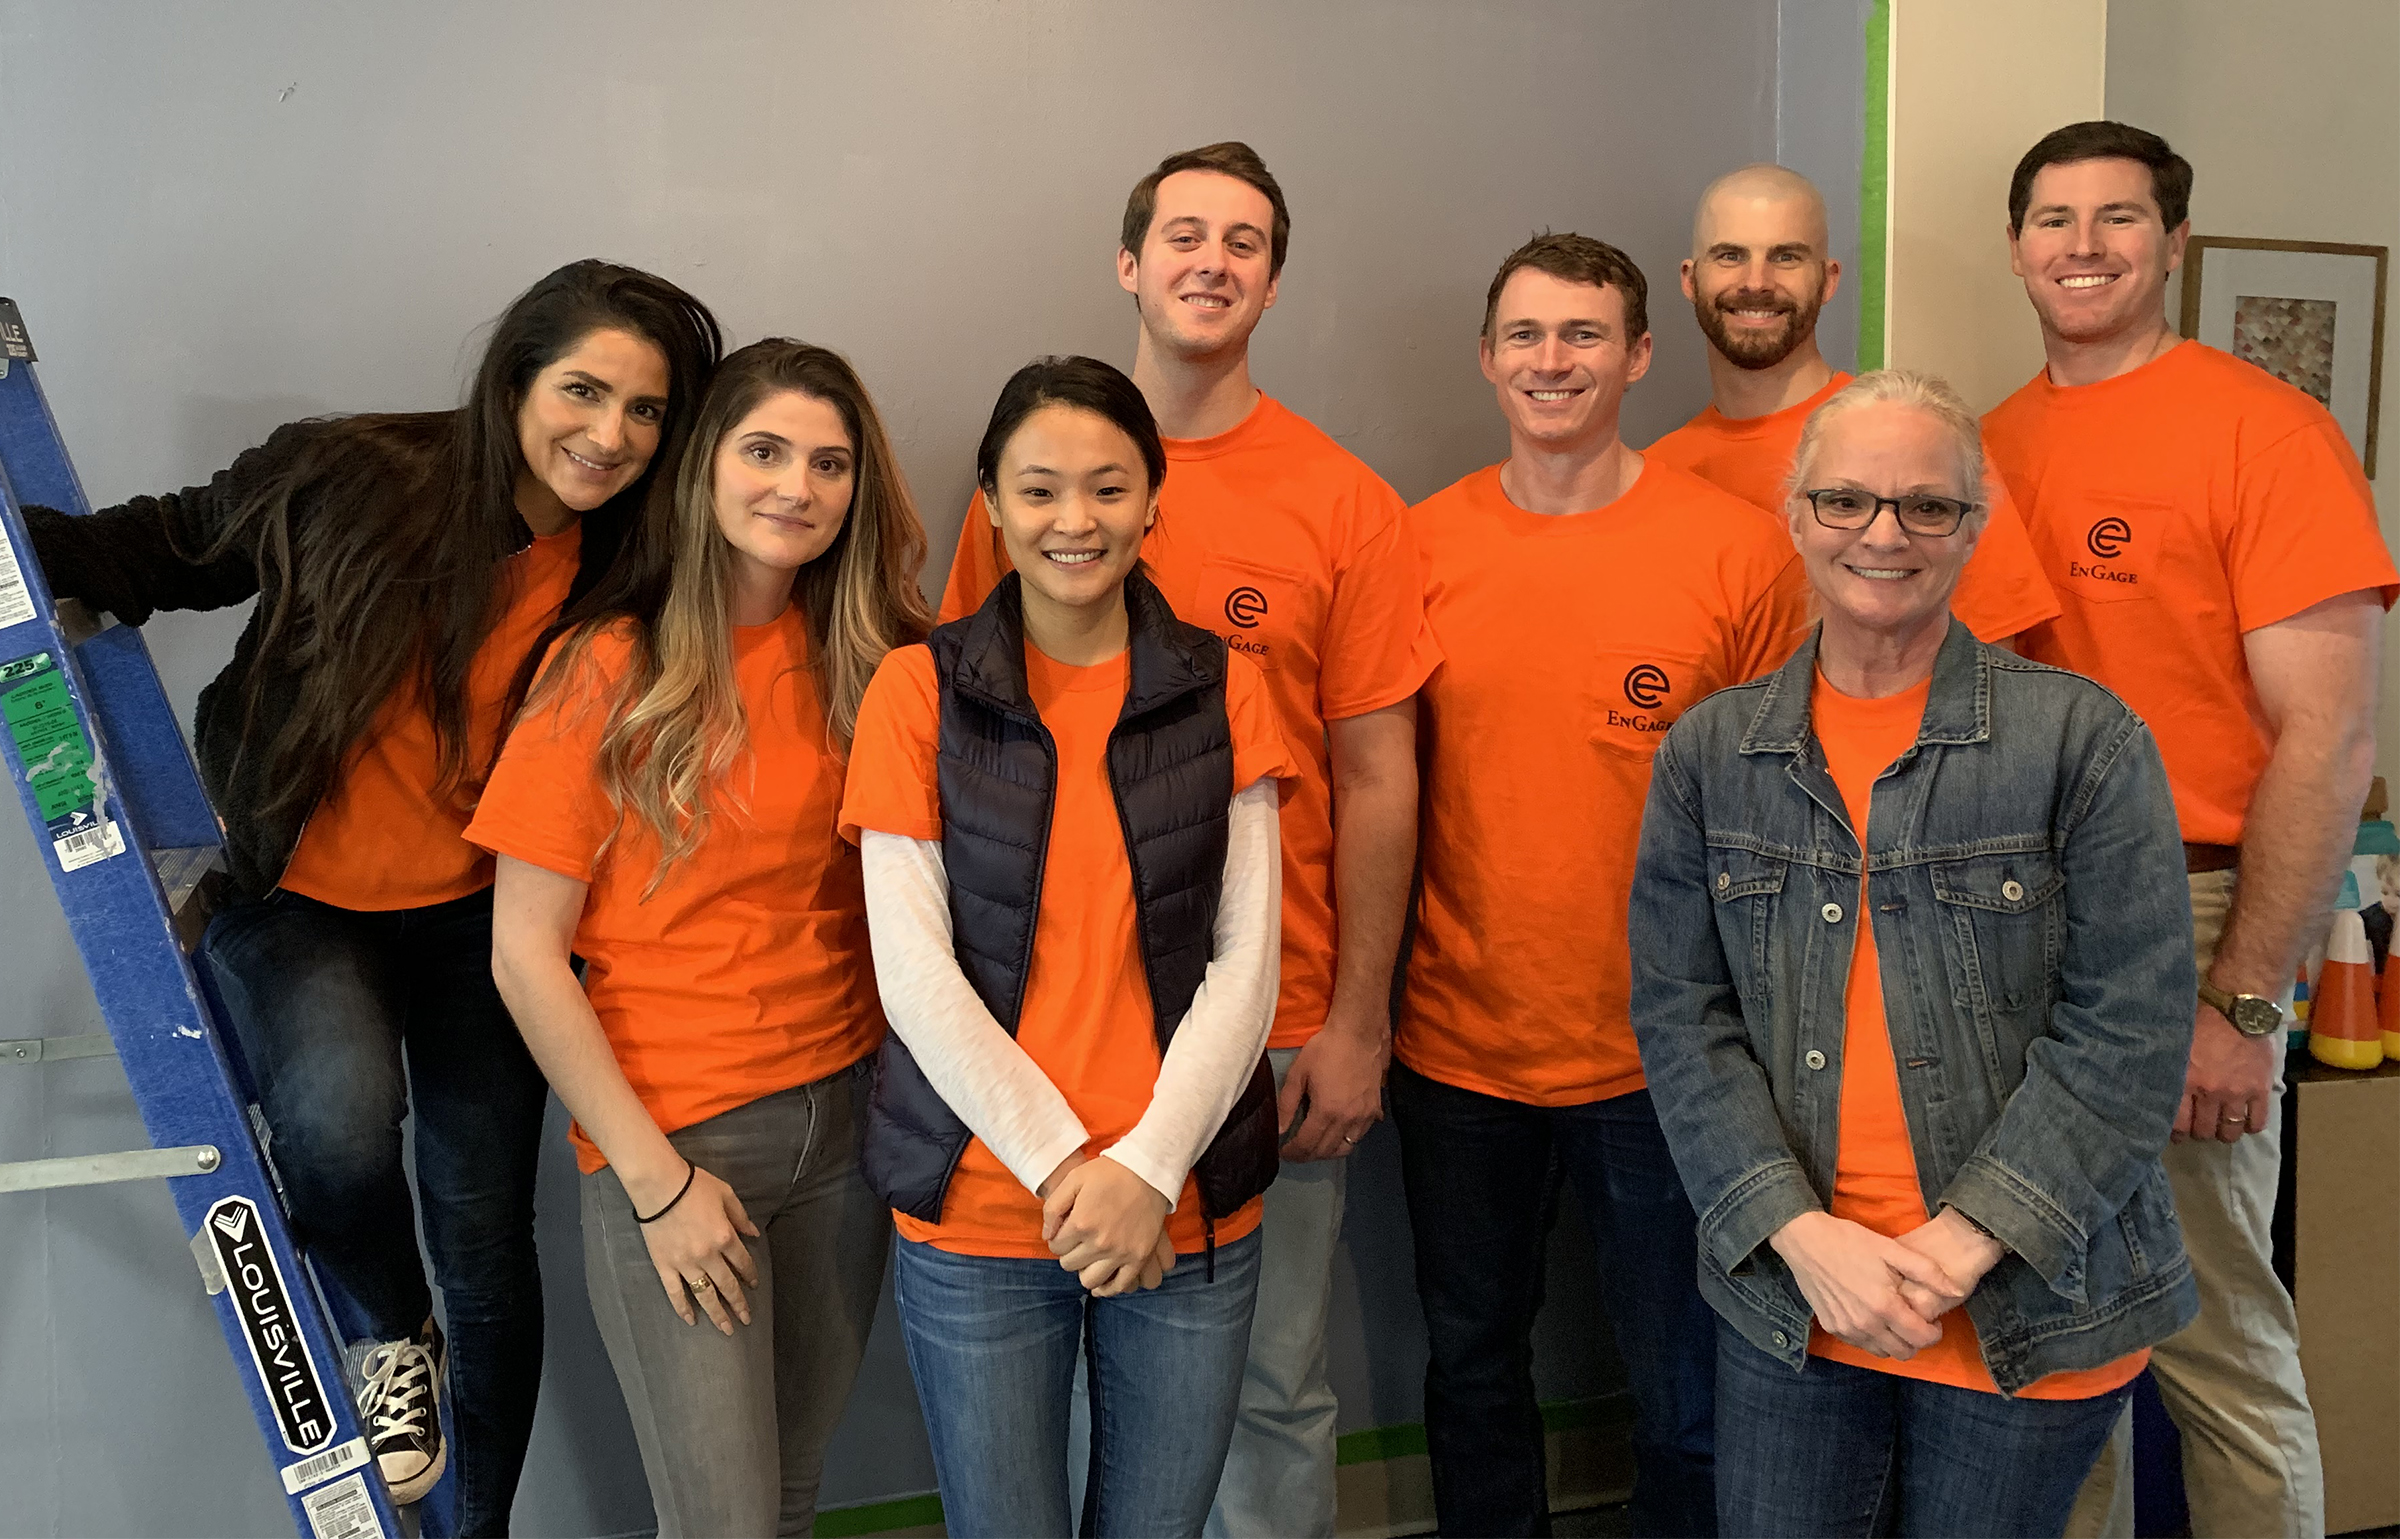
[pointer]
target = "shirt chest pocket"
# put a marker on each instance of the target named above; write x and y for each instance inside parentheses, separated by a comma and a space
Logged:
(1636, 692)
(2004, 923)
(2109, 547)
(1270, 614)
(1744, 888)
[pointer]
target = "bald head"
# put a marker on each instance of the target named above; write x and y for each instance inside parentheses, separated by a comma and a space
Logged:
(1757, 195)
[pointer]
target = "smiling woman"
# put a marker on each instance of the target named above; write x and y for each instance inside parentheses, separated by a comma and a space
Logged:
(2004, 1023)
(407, 568)
(1067, 808)
(1904, 443)
(665, 811)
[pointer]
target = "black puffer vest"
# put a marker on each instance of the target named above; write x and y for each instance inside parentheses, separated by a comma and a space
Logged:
(1170, 764)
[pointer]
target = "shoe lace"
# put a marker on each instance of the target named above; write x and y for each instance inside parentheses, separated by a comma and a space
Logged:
(398, 1389)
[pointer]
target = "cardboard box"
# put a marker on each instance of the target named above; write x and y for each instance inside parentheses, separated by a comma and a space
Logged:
(2342, 1180)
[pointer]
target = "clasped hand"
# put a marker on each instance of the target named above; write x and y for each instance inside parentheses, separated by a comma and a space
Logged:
(1882, 1295)
(1106, 1225)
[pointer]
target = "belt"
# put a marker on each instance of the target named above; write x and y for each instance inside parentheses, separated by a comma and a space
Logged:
(2210, 857)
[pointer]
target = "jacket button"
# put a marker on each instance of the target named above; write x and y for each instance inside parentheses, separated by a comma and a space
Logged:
(2012, 890)
(1782, 1340)
(1814, 1059)
(1832, 913)
(1724, 880)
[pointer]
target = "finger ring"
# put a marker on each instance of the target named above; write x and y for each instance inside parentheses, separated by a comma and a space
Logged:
(703, 1284)
(1349, 1140)
(2234, 1117)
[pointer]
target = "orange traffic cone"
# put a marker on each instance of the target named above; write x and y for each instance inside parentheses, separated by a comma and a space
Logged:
(2342, 1028)
(2388, 1007)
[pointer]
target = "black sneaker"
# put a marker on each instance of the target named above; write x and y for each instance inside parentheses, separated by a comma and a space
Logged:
(399, 1404)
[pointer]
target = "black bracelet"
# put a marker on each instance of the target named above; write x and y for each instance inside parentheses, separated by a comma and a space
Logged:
(690, 1172)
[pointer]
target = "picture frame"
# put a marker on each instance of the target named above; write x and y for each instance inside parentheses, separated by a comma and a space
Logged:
(2308, 312)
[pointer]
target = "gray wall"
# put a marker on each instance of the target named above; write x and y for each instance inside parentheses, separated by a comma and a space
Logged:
(221, 217)
(1820, 132)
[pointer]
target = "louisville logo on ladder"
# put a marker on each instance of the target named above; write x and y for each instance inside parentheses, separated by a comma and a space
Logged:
(262, 1302)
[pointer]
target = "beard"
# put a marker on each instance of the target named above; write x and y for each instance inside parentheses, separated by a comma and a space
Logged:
(1755, 350)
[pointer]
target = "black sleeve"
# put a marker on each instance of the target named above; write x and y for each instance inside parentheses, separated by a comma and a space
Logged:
(149, 554)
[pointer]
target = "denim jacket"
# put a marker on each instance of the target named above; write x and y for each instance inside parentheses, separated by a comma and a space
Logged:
(2025, 879)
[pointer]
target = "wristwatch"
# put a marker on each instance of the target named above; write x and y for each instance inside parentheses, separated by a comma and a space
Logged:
(2250, 1015)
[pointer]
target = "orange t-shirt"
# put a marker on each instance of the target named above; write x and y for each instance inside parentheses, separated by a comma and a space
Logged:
(747, 971)
(1570, 645)
(2177, 508)
(2001, 592)
(1875, 1180)
(1086, 1020)
(1282, 542)
(383, 837)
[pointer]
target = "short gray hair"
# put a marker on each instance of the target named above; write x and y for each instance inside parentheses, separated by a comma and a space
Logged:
(1927, 393)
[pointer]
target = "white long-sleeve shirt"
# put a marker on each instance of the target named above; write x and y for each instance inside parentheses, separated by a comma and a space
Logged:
(997, 1089)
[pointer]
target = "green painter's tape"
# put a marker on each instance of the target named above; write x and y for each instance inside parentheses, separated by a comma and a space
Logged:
(879, 1517)
(1874, 187)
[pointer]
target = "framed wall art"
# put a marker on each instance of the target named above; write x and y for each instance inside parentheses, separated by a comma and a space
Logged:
(2308, 312)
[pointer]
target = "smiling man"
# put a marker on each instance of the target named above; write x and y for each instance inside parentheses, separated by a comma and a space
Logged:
(2215, 552)
(1758, 276)
(1583, 598)
(1283, 542)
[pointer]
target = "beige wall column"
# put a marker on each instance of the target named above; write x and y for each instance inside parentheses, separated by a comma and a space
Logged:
(1971, 86)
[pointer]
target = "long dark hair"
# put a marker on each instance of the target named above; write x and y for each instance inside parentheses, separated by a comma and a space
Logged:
(379, 544)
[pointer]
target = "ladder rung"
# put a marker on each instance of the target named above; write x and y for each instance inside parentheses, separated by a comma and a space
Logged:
(101, 1169)
(92, 1044)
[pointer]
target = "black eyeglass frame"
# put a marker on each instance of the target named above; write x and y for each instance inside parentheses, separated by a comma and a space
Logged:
(1959, 510)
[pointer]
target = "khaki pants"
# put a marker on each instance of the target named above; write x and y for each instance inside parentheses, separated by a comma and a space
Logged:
(2230, 1379)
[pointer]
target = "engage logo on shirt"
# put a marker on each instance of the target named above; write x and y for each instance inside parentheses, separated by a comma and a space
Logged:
(2108, 550)
(1263, 612)
(1646, 686)
(1638, 695)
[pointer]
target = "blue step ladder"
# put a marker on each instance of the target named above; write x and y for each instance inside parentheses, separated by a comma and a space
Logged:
(119, 818)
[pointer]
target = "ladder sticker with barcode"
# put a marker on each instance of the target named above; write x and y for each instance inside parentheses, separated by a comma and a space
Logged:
(16, 604)
(60, 768)
(342, 1511)
(322, 1467)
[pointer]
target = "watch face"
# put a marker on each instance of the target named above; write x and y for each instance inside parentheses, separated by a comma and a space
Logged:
(2256, 1017)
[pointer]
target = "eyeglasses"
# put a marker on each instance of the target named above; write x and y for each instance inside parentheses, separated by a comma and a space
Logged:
(1847, 507)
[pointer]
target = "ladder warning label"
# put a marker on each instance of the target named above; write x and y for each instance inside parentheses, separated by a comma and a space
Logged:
(308, 1472)
(59, 768)
(295, 1391)
(16, 605)
(342, 1511)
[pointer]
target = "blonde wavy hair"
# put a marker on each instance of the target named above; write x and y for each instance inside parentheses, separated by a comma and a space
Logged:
(1927, 393)
(676, 726)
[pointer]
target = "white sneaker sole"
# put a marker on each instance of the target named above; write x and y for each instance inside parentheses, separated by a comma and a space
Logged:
(405, 1493)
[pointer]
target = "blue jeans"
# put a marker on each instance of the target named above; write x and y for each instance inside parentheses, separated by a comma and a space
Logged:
(345, 1019)
(992, 1343)
(1835, 1450)
(1483, 1176)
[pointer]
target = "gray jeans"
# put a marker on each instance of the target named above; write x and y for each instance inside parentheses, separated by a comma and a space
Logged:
(733, 1429)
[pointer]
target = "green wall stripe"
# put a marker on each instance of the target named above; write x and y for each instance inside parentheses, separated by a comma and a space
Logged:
(1372, 1445)
(921, 1511)
(1874, 187)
